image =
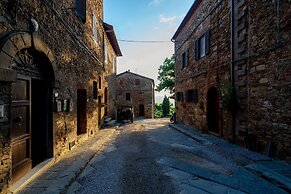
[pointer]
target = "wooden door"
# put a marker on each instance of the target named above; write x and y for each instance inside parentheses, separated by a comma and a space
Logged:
(21, 128)
(99, 110)
(81, 111)
(141, 110)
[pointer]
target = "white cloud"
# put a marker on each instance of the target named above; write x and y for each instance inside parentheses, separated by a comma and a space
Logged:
(167, 20)
(155, 2)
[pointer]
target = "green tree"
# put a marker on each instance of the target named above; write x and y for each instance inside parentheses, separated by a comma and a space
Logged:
(158, 110)
(166, 106)
(166, 76)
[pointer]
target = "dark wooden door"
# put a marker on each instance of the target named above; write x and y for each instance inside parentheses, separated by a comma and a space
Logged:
(141, 110)
(99, 110)
(21, 128)
(81, 111)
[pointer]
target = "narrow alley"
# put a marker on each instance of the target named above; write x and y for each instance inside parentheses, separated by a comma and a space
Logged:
(148, 156)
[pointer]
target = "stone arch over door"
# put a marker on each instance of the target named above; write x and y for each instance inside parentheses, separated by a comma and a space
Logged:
(29, 65)
(213, 110)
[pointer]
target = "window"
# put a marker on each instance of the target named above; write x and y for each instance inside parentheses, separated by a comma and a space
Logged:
(192, 96)
(100, 82)
(127, 96)
(94, 27)
(201, 43)
(137, 82)
(121, 82)
(202, 46)
(179, 96)
(80, 7)
(95, 90)
(184, 58)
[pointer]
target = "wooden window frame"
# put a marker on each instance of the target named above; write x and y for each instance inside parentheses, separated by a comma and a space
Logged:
(203, 42)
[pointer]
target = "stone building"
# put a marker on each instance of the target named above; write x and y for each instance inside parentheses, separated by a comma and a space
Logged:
(57, 66)
(136, 91)
(233, 69)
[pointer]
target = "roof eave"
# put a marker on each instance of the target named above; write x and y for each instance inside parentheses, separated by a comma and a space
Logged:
(186, 18)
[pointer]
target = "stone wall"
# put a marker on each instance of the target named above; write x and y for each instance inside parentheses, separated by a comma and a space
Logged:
(5, 147)
(79, 60)
(270, 77)
(110, 79)
(207, 72)
(140, 94)
(259, 54)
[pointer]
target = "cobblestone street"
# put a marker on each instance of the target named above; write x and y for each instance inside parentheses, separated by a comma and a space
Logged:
(148, 156)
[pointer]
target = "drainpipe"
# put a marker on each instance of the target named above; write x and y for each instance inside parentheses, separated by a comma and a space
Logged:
(231, 66)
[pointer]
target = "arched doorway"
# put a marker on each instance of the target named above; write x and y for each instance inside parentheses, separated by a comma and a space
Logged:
(213, 110)
(29, 68)
(141, 110)
(32, 134)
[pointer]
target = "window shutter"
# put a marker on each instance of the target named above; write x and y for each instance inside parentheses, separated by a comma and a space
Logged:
(207, 42)
(182, 61)
(187, 57)
(80, 6)
(196, 49)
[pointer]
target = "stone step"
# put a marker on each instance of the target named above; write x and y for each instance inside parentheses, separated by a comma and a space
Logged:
(276, 172)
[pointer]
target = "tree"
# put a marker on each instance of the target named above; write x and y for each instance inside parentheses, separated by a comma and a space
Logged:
(158, 110)
(167, 76)
(166, 106)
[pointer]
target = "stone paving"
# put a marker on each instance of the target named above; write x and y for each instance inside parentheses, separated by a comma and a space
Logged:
(247, 172)
(266, 174)
(59, 176)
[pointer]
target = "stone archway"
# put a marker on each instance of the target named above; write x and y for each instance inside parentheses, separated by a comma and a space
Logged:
(29, 66)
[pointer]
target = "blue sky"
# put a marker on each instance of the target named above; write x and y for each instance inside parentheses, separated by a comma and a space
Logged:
(149, 20)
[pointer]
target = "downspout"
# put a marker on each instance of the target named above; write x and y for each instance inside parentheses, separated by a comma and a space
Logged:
(231, 66)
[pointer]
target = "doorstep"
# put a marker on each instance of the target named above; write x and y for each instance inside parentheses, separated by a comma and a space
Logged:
(31, 175)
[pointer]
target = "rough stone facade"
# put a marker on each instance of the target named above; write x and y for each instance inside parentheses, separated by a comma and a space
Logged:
(136, 91)
(65, 42)
(269, 76)
(249, 51)
(208, 72)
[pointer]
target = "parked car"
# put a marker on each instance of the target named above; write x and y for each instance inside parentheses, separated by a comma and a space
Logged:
(125, 113)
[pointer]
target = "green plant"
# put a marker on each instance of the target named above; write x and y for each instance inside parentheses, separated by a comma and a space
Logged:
(158, 110)
(229, 97)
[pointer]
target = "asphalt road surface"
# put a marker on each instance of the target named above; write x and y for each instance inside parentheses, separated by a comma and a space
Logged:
(150, 157)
